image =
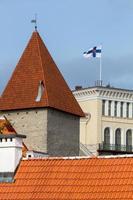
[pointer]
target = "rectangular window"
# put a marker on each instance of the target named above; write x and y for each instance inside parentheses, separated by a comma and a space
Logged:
(103, 107)
(115, 110)
(121, 110)
(132, 110)
(127, 110)
(109, 109)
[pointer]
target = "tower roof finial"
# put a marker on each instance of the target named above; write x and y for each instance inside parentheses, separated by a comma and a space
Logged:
(35, 22)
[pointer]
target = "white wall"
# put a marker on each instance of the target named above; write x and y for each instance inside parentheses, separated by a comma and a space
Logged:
(10, 154)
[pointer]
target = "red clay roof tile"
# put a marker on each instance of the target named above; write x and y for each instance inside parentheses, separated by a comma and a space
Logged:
(36, 67)
(71, 179)
(6, 127)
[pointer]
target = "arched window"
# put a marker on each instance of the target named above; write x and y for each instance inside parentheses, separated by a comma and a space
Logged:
(129, 140)
(118, 138)
(107, 135)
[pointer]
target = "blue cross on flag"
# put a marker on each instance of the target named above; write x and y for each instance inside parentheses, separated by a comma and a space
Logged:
(94, 52)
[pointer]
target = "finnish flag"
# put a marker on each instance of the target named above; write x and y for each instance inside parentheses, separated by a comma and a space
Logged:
(94, 52)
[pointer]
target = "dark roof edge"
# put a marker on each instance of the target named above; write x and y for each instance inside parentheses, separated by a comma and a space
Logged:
(12, 136)
(40, 107)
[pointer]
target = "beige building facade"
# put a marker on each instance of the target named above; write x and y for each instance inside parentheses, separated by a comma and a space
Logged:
(108, 125)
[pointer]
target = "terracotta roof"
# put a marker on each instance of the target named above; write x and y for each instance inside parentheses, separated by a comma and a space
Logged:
(24, 150)
(78, 179)
(36, 67)
(7, 129)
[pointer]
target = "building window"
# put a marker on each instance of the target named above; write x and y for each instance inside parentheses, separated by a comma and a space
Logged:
(132, 110)
(107, 136)
(40, 91)
(127, 110)
(129, 140)
(121, 110)
(109, 109)
(103, 107)
(118, 139)
(115, 110)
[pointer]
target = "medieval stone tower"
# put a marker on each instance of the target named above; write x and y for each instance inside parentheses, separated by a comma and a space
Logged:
(39, 103)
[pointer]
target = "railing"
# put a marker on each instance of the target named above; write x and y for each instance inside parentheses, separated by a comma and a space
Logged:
(115, 147)
(85, 150)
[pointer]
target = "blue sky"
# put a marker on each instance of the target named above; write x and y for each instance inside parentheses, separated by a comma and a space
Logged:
(68, 28)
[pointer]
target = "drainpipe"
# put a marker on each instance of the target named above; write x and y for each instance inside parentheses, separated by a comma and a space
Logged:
(88, 117)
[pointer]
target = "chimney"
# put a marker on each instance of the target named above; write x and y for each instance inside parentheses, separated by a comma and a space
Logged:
(10, 155)
(78, 87)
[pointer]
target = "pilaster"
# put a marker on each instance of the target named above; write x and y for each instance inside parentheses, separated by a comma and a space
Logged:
(106, 107)
(124, 109)
(112, 108)
(118, 108)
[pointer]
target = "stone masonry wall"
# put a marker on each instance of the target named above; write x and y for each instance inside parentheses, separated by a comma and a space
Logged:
(33, 124)
(47, 130)
(63, 134)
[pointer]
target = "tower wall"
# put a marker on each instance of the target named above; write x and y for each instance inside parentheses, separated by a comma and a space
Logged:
(63, 133)
(33, 124)
(48, 130)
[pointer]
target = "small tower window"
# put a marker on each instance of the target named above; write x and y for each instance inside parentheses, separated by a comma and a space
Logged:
(40, 91)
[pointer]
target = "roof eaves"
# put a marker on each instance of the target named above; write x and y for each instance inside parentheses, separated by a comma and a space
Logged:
(11, 136)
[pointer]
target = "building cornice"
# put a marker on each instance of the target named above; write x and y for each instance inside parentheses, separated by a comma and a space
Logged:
(103, 93)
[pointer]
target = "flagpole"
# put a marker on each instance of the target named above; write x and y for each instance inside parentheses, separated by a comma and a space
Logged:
(100, 70)
(94, 52)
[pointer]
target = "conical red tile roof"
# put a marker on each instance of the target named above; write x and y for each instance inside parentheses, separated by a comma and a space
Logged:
(36, 67)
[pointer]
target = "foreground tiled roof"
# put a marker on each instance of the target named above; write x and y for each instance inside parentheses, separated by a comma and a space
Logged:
(37, 74)
(71, 179)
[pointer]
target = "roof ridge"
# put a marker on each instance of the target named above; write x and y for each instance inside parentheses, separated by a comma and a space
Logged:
(40, 56)
(36, 64)
(79, 158)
